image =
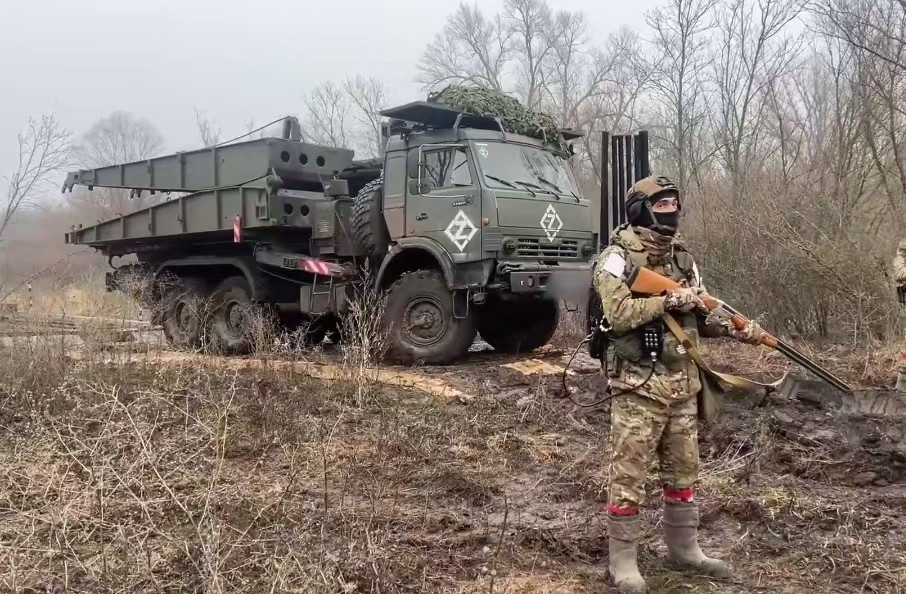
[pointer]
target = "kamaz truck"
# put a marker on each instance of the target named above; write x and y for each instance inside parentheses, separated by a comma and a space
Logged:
(464, 226)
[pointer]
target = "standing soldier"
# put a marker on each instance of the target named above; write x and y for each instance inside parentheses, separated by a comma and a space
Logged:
(655, 406)
(899, 277)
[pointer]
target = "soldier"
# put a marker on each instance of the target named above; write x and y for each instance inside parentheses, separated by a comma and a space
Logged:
(655, 407)
(899, 277)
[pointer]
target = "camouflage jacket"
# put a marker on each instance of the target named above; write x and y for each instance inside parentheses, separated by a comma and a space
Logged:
(676, 376)
(899, 264)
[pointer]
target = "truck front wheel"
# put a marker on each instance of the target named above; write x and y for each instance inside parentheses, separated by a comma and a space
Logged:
(518, 326)
(419, 312)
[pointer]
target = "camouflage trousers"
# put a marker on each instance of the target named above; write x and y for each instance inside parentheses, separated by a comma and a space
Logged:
(641, 427)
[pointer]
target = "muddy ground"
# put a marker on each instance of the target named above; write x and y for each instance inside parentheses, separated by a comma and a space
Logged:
(157, 474)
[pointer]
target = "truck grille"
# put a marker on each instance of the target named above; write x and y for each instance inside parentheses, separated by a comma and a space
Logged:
(535, 247)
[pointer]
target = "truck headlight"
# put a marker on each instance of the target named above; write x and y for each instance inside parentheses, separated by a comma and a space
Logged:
(587, 249)
(509, 245)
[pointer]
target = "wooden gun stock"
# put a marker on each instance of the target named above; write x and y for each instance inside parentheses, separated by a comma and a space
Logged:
(647, 282)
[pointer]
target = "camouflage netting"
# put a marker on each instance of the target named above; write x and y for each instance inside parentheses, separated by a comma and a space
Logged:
(516, 118)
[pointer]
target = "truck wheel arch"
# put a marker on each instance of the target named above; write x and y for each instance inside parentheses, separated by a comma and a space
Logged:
(208, 266)
(416, 253)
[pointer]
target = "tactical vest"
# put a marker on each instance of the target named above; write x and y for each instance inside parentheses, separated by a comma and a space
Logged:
(677, 265)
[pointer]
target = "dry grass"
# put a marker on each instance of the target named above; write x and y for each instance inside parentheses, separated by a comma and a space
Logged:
(81, 297)
(125, 472)
(134, 477)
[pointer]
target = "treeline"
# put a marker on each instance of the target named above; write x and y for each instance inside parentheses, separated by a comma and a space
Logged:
(784, 121)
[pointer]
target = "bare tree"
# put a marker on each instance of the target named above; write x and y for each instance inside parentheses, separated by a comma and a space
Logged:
(570, 57)
(882, 87)
(369, 97)
(680, 44)
(209, 133)
(327, 115)
(470, 49)
(613, 102)
(44, 148)
(752, 53)
(874, 27)
(118, 138)
(530, 30)
(346, 114)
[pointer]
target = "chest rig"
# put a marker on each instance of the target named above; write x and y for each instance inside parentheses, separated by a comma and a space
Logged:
(677, 265)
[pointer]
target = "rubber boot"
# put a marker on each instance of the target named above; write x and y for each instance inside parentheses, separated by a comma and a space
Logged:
(681, 537)
(901, 381)
(623, 537)
(901, 373)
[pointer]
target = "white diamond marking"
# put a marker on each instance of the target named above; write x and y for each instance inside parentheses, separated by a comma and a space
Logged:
(551, 223)
(461, 230)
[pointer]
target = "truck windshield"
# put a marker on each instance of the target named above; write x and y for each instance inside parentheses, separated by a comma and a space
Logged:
(504, 165)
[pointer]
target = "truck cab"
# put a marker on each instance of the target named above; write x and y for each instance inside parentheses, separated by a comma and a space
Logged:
(500, 213)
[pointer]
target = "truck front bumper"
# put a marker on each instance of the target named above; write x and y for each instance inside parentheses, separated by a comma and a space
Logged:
(568, 281)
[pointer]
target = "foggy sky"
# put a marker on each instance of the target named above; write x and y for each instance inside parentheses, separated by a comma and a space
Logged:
(233, 60)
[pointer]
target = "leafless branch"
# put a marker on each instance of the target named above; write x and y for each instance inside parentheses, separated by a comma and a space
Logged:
(44, 148)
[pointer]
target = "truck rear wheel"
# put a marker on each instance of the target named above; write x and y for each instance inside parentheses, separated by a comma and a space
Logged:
(419, 311)
(369, 230)
(232, 316)
(518, 326)
(184, 311)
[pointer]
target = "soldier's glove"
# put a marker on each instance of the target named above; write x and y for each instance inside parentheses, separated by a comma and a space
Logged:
(750, 334)
(685, 300)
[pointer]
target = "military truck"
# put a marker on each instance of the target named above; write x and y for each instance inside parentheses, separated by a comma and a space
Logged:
(465, 226)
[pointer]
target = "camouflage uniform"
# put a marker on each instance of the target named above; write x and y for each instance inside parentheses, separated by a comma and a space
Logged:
(899, 264)
(899, 277)
(660, 416)
(656, 409)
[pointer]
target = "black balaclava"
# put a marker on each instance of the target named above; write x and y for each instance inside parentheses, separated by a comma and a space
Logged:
(640, 214)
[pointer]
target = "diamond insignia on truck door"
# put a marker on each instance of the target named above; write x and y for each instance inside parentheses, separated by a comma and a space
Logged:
(551, 222)
(461, 230)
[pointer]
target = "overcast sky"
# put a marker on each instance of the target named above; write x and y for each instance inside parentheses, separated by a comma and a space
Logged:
(233, 59)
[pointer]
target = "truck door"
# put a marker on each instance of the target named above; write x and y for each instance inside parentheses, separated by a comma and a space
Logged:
(444, 199)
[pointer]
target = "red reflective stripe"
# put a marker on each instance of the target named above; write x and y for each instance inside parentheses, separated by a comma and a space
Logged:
(316, 266)
(679, 495)
(616, 510)
(237, 229)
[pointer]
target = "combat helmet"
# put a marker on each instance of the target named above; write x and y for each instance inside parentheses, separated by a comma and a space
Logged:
(644, 194)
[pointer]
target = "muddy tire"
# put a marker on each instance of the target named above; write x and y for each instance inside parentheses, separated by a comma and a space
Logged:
(232, 311)
(421, 326)
(369, 230)
(184, 312)
(518, 326)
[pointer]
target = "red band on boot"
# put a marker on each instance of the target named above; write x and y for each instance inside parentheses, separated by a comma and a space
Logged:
(616, 510)
(672, 495)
